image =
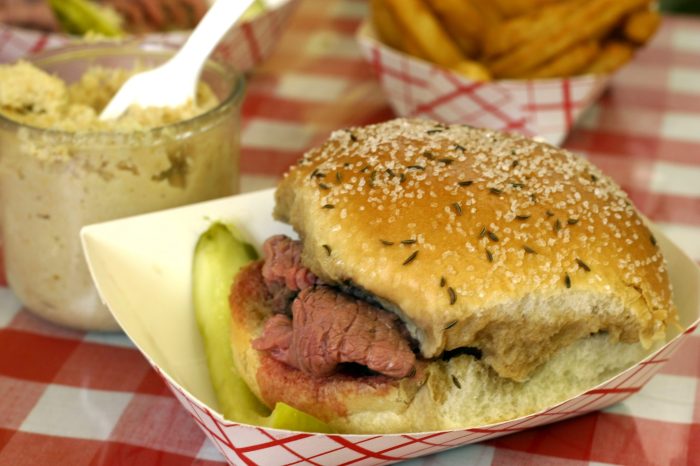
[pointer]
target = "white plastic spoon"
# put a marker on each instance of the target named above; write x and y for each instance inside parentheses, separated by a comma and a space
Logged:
(175, 82)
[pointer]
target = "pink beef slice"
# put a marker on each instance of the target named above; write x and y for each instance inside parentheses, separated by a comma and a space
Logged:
(283, 272)
(329, 327)
(283, 265)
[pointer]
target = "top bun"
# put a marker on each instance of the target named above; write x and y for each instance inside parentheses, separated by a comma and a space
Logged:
(478, 239)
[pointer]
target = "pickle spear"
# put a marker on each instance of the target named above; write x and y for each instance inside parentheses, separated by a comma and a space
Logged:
(218, 256)
(256, 8)
(82, 16)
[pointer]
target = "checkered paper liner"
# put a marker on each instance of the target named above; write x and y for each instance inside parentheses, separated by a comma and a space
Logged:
(146, 287)
(545, 107)
(245, 46)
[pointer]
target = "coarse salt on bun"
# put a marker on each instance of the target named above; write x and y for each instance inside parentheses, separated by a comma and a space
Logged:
(523, 274)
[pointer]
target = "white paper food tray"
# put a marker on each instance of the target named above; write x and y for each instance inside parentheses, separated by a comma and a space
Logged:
(142, 268)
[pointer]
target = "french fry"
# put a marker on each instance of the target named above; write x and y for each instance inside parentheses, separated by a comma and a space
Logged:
(641, 25)
(416, 20)
(490, 15)
(462, 21)
(509, 34)
(384, 23)
(389, 31)
(592, 20)
(469, 46)
(569, 63)
(612, 56)
(472, 70)
(411, 47)
(517, 39)
(512, 8)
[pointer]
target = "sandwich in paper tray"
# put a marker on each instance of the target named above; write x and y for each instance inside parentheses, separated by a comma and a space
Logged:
(143, 265)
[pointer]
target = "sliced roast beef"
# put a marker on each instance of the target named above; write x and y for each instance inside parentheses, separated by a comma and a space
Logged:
(283, 264)
(283, 271)
(277, 338)
(329, 327)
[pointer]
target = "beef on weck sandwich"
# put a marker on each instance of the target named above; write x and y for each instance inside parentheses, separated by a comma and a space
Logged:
(445, 277)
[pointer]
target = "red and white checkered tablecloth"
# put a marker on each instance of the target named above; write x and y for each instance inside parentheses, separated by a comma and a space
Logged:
(73, 398)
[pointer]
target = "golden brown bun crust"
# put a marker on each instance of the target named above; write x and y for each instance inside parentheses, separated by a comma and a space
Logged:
(458, 393)
(516, 247)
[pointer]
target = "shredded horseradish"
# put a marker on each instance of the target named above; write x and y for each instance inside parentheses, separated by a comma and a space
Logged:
(31, 96)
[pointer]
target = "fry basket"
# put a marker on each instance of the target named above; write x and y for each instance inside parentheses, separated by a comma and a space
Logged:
(547, 108)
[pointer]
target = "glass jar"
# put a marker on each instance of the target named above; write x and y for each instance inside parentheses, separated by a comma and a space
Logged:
(54, 182)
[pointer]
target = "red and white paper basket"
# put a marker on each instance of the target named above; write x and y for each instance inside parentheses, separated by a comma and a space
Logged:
(544, 107)
(246, 45)
(144, 276)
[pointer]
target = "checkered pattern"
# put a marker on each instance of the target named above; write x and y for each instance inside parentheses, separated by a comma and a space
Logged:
(73, 398)
(245, 46)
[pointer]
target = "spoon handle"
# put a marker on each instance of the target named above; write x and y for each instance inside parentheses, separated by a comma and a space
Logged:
(211, 28)
(181, 72)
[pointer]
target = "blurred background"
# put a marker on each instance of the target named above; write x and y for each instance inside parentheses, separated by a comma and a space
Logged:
(680, 6)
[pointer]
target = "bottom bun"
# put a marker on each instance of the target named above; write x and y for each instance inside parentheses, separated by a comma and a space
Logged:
(460, 392)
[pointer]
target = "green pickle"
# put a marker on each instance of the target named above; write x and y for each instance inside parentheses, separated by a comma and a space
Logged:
(83, 16)
(255, 9)
(80, 17)
(219, 255)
